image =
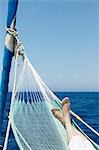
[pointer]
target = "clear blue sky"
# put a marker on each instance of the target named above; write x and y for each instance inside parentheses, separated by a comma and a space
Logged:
(61, 40)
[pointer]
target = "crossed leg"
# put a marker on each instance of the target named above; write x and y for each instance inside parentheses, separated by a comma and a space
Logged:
(64, 117)
(77, 141)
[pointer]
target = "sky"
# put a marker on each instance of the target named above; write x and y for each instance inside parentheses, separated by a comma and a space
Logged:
(61, 41)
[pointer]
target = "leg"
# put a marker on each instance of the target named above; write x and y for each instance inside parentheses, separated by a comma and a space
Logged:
(65, 119)
(66, 115)
(71, 131)
(77, 141)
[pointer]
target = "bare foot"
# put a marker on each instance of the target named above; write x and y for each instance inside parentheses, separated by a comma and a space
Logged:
(66, 107)
(58, 114)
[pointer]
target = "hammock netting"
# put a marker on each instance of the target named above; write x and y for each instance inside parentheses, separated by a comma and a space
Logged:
(33, 124)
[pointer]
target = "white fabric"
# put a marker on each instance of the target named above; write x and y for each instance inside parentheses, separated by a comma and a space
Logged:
(78, 143)
(9, 42)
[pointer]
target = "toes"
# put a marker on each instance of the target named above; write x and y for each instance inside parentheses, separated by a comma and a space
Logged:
(55, 110)
(58, 114)
(65, 101)
(65, 106)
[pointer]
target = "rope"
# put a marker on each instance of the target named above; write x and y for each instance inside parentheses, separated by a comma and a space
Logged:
(12, 32)
(81, 120)
(19, 46)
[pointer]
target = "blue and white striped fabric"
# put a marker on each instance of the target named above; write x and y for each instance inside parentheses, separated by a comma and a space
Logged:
(8, 54)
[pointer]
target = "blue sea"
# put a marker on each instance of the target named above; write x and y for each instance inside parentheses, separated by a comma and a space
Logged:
(85, 104)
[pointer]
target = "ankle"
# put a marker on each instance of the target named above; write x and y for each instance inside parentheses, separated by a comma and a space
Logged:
(67, 116)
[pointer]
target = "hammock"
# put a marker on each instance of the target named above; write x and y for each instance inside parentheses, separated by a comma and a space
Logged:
(31, 119)
(33, 124)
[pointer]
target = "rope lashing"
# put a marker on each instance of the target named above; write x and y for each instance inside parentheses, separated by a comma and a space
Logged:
(12, 32)
(19, 45)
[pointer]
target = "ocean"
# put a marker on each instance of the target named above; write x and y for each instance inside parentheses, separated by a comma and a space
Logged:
(85, 104)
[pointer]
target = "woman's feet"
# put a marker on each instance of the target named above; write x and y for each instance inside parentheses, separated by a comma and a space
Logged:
(58, 114)
(66, 107)
(64, 117)
(65, 110)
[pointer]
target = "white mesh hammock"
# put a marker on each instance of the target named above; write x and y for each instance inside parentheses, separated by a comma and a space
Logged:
(33, 124)
(31, 119)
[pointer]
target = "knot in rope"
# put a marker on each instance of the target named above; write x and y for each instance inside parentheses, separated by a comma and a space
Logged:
(12, 32)
(19, 48)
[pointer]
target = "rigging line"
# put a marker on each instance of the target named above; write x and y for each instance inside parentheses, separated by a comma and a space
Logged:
(81, 120)
(84, 133)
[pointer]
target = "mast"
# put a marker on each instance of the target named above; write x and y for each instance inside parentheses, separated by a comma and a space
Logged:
(10, 43)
